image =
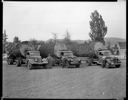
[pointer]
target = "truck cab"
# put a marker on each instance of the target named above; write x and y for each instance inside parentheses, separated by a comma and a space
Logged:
(33, 58)
(106, 59)
(67, 58)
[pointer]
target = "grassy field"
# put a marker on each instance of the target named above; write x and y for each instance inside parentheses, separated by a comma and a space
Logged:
(85, 82)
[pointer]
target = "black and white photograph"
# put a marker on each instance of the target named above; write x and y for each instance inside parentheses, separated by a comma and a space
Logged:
(64, 50)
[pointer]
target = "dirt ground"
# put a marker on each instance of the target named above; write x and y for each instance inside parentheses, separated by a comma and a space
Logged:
(85, 82)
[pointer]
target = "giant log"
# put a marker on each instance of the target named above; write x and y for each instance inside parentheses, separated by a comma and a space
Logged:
(19, 50)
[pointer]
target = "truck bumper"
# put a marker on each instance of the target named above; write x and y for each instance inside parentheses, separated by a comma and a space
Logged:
(75, 63)
(38, 64)
(115, 65)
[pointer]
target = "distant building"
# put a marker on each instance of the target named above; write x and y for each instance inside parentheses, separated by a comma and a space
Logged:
(122, 48)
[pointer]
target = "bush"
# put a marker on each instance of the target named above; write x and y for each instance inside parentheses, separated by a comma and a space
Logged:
(47, 48)
(83, 50)
(80, 50)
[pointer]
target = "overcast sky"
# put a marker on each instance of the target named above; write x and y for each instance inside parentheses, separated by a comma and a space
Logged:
(39, 20)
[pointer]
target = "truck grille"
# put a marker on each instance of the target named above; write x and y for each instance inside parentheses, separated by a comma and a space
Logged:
(115, 60)
(38, 60)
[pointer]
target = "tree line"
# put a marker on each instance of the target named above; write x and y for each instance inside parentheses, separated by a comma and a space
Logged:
(98, 31)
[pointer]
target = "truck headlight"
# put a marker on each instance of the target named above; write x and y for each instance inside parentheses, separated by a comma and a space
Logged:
(36, 59)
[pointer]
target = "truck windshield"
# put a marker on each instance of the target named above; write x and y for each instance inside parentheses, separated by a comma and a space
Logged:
(35, 54)
(106, 53)
(68, 54)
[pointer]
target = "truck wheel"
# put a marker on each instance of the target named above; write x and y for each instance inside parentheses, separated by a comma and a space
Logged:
(18, 63)
(10, 62)
(78, 65)
(118, 66)
(47, 66)
(29, 66)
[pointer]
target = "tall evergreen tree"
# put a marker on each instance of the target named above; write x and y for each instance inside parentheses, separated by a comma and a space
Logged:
(97, 26)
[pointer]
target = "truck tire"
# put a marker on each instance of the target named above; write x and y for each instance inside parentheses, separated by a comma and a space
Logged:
(29, 66)
(18, 63)
(10, 62)
(77, 65)
(118, 66)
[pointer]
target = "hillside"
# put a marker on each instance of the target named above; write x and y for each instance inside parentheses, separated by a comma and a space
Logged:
(110, 39)
(114, 40)
(79, 41)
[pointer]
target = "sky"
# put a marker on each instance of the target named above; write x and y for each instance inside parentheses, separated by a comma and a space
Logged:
(39, 20)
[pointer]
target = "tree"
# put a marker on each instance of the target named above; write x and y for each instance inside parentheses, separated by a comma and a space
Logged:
(9, 47)
(4, 41)
(97, 26)
(34, 43)
(16, 40)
